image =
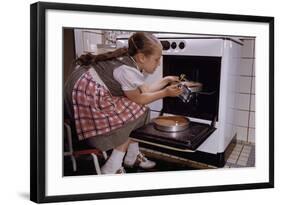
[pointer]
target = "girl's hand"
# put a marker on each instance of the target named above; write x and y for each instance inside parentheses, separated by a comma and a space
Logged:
(173, 91)
(192, 84)
(170, 79)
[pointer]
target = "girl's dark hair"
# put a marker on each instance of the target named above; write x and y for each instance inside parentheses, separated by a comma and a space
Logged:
(90, 59)
(140, 42)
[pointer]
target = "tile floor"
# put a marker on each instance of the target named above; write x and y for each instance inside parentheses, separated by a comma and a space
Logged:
(243, 155)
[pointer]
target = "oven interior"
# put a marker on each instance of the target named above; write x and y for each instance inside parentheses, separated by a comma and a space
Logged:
(203, 69)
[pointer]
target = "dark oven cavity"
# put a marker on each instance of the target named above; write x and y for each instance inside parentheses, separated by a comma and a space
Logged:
(203, 69)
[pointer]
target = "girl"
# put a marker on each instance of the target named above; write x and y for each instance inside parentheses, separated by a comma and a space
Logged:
(109, 99)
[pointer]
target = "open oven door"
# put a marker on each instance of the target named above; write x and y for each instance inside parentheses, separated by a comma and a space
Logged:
(185, 141)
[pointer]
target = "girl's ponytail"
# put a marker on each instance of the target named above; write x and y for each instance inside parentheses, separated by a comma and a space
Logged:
(90, 59)
(140, 42)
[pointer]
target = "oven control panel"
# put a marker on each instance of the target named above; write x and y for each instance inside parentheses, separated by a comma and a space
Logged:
(187, 46)
(192, 46)
(174, 45)
(169, 45)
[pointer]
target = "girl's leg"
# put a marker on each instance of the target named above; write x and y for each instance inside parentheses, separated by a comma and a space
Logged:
(123, 147)
(114, 163)
(135, 158)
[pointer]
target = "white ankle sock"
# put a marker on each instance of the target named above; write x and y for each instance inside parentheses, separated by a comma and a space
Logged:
(114, 162)
(132, 152)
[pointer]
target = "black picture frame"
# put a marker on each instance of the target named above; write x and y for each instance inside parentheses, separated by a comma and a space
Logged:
(38, 100)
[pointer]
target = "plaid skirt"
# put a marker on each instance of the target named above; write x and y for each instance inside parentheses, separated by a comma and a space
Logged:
(119, 136)
(98, 114)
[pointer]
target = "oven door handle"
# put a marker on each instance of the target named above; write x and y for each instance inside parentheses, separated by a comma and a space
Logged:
(163, 146)
(205, 93)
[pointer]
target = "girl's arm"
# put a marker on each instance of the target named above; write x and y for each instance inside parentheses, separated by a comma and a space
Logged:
(158, 85)
(144, 98)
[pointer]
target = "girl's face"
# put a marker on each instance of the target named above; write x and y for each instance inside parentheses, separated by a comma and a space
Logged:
(151, 62)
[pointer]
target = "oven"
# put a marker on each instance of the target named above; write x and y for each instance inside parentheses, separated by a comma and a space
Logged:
(213, 61)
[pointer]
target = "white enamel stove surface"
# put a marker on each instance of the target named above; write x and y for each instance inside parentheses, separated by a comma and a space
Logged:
(229, 50)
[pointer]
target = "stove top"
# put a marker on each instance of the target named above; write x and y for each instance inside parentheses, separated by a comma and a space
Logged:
(190, 138)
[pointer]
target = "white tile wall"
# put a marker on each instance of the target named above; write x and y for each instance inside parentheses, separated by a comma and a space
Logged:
(243, 101)
(242, 118)
(248, 48)
(241, 133)
(252, 120)
(251, 135)
(253, 90)
(246, 67)
(244, 84)
(254, 68)
(245, 97)
(253, 103)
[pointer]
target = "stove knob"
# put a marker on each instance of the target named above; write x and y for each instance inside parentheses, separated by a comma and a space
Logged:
(181, 45)
(173, 45)
(166, 45)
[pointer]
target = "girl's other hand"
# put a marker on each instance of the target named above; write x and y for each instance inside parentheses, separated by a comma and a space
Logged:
(173, 91)
(171, 79)
(192, 84)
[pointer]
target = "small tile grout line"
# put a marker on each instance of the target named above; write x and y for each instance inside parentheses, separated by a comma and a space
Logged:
(239, 154)
(251, 86)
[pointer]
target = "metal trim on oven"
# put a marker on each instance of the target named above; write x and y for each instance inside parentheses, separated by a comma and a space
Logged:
(163, 146)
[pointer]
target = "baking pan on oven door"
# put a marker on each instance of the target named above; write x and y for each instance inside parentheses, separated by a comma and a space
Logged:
(187, 141)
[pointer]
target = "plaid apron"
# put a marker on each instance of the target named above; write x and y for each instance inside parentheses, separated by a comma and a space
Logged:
(97, 112)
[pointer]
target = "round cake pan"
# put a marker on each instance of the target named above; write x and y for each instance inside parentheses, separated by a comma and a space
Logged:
(173, 123)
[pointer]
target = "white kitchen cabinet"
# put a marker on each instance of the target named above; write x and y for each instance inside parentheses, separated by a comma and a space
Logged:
(86, 41)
